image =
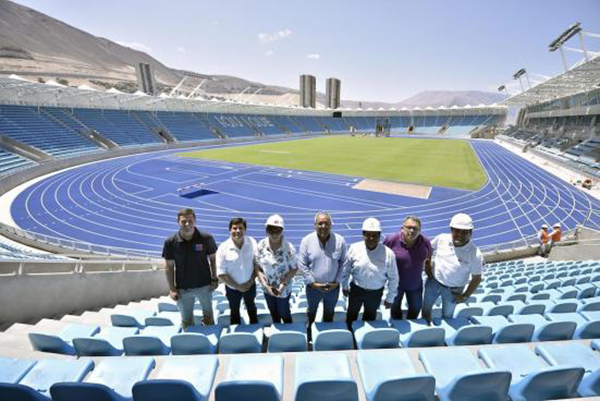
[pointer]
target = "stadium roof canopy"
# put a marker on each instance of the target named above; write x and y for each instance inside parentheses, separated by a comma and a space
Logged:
(23, 92)
(582, 77)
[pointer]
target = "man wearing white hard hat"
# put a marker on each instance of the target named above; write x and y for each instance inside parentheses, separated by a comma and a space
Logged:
(371, 265)
(455, 260)
(543, 237)
(276, 266)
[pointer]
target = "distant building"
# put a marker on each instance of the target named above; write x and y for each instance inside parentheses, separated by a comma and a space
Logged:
(145, 78)
(308, 91)
(333, 93)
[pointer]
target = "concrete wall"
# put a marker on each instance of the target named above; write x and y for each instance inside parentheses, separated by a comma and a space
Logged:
(26, 297)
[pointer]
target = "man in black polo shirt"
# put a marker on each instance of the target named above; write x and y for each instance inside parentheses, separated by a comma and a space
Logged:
(191, 270)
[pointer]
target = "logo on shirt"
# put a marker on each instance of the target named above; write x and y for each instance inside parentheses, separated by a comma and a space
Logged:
(199, 247)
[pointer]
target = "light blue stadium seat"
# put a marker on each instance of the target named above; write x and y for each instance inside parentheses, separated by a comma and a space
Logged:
(324, 376)
(19, 392)
(61, 342)
(196, 340)
(546, 330)
(418, 333)
(577, 354)
(534, 308)
(167, 307)
(13, 369)
(459, 331)
(589, 305)
(168, 318)
(47, 372)
(464, 310)
(181, 379)
(152, 340)
(298, 315)
(592, 316)
(505, 331)
(251, 378)
(375, 334)
(112, 379)
(585, 329)
(531, 379)
(133, 318)
(586, 290)
(330, 336)
(289, 337)
(459, 376)
(241, 339)
(109, 342)
(390, 375)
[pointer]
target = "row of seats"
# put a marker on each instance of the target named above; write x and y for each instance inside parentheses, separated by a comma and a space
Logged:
(12, 162)
(549, 371)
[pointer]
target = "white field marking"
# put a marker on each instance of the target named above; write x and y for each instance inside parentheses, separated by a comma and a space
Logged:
(281, 152)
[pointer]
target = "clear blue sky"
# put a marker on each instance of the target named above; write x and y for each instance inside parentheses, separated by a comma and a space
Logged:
(381, 50)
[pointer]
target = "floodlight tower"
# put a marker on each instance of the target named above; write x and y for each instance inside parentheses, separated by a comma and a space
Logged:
(502, 89)
(557, 44)
(518, 76)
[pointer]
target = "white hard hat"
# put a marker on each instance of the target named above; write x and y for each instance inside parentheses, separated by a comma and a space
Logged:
(544, 225)
(371, 224)
(275, 221)
(462, 221)
(556, 225)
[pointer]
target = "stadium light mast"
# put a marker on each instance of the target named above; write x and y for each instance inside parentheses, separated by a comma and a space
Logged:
(557, 44)
(502, 89)
(518, 76)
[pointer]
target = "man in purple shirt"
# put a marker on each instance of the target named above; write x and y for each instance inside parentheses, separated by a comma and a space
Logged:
(412, 251)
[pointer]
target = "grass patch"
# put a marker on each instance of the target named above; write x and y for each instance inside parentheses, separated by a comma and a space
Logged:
(448, 163)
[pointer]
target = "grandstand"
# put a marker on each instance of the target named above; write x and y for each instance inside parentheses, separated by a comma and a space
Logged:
(90, 182)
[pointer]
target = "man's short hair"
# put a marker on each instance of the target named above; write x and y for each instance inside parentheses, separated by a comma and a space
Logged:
(237, 220)
(413, 218)
(323, 213)
(186, 212)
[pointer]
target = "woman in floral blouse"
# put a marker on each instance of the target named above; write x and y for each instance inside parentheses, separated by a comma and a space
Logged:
(275, 267)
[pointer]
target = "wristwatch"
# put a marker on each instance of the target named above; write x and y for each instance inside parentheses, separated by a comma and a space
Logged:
(214, 280)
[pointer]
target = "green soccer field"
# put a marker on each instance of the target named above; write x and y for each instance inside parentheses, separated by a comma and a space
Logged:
(447, 163)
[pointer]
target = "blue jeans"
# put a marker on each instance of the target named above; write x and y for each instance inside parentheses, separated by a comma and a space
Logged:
(414, 299)
(433, 290)
(314, 297)
(279, 308)
(235, 300)
(186, 305)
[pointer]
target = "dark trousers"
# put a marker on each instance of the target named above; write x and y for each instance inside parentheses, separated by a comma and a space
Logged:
(314, 297)
(235, 299)
(371, 299)
(279, 308)
(413, 298)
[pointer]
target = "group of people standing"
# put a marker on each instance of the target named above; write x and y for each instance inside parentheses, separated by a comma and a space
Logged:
(548, 239)
(362, 271)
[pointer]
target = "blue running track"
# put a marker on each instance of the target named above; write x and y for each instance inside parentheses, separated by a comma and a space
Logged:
(131, 202)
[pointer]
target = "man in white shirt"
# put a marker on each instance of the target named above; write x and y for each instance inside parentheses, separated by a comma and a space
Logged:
(235, 267)
(371, 265)
(455, 261)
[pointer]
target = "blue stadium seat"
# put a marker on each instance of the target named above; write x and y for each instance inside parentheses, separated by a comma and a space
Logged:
(579, 355)
(375, 334)
(330, 336)
(251, 378)
(153, 340)
(111, 380)
(459, 331)
(531, 380)
(48, 372)
(109, 342)
(61, 342)
(324, 376)
(390, 375)
(585, 329)
(505, 331)
(459, 376)
(546, 330)
(13, 369)
(289, 337)
(418, 333)
(241, 339)
(133, 318)
(197, 340)
(181, 379)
